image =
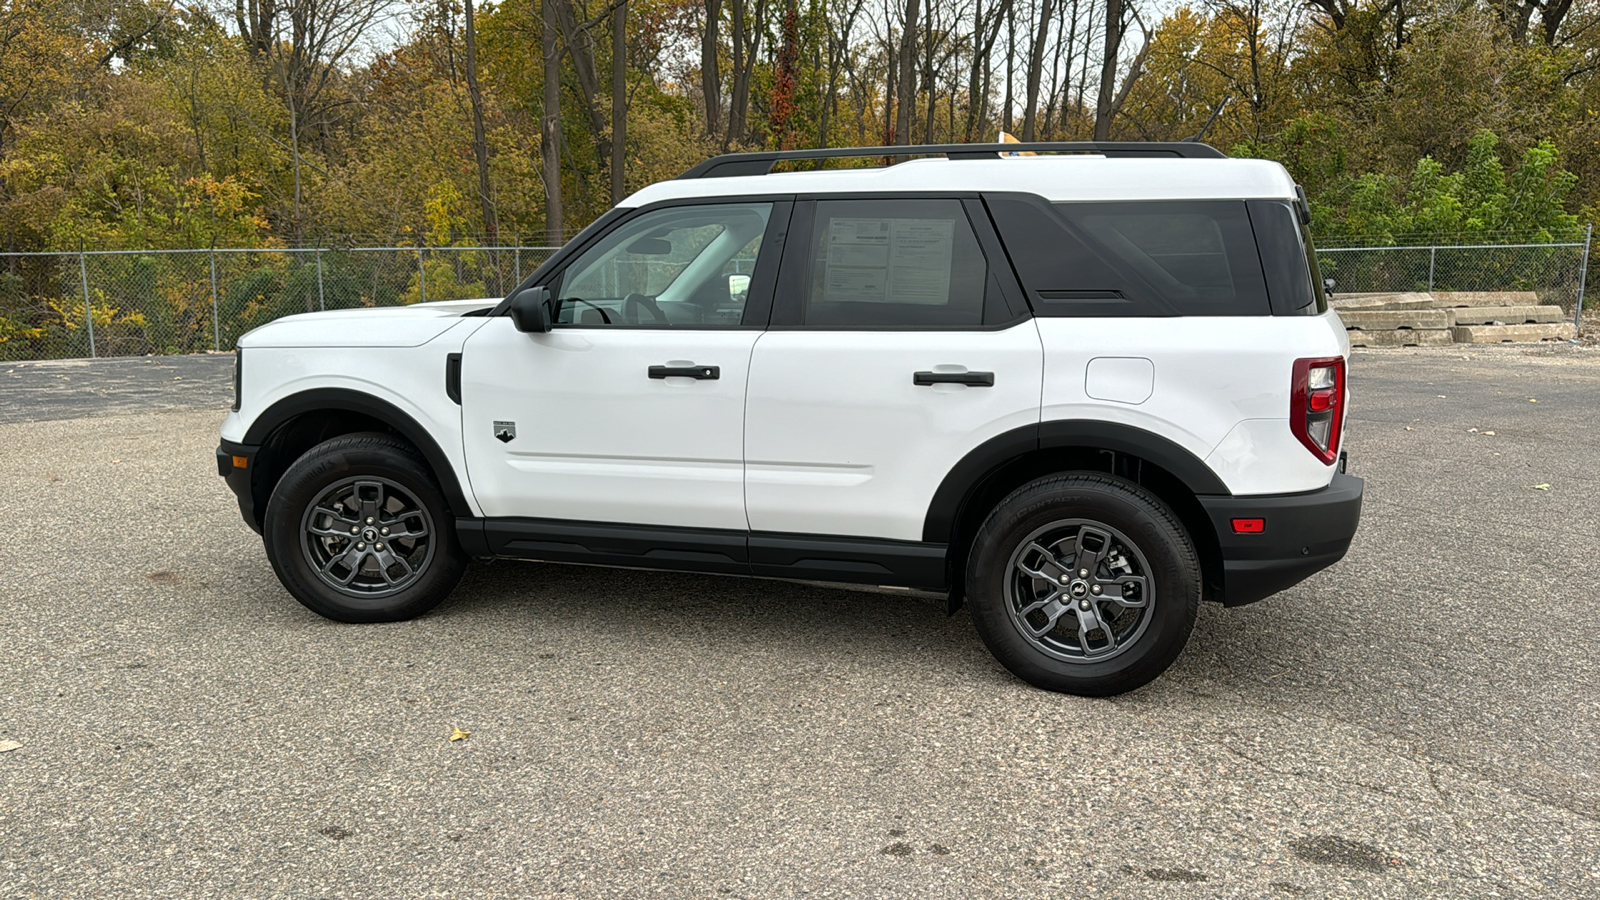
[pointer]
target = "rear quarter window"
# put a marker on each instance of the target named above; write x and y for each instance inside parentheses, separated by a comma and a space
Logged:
(1290, 262)
(1144, 258)
(1199, 256)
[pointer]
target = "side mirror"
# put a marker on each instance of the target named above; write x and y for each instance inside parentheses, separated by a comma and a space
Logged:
(1328, 284)
(530, 310)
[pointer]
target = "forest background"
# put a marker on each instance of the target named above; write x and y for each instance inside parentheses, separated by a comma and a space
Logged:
(311, 128)
(150, 124)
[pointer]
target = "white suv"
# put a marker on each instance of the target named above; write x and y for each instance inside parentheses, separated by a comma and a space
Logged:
(1080, 391)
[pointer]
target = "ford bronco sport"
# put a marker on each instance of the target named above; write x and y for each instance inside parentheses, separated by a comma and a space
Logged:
(1079, 391)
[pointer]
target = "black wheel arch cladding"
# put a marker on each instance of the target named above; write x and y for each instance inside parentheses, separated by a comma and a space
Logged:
(360, 411)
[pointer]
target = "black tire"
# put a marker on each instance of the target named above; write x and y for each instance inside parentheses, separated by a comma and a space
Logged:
(365, 484)
(1112, 647)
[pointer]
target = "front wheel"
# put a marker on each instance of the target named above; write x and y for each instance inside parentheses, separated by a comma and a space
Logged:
(1084, 584)
(358, 531)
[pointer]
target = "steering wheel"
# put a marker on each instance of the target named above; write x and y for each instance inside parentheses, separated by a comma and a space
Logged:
(604, 316)
(631, 305)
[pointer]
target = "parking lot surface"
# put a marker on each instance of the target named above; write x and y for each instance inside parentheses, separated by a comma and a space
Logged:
(1420, 720)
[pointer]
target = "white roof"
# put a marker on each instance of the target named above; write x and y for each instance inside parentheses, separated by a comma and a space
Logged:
(1057, 178)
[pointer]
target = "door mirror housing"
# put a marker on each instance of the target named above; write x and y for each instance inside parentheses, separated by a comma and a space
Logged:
(530, 310)
(1328, 284)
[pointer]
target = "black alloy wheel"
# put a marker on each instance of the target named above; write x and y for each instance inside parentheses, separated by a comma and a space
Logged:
(1083, 583)
(358, 531)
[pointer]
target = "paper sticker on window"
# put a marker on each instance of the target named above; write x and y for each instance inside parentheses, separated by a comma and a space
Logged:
(889, 260)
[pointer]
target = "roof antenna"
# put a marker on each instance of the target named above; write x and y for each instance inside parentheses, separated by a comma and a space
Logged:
(1207, 127)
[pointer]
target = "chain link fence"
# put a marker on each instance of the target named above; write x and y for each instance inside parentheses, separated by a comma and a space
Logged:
(1556, 272)
(130, 303)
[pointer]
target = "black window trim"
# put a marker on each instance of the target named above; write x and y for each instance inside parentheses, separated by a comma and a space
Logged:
(794, 278)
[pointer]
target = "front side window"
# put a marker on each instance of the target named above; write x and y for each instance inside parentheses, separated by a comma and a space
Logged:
(894, 263)
(683, 266)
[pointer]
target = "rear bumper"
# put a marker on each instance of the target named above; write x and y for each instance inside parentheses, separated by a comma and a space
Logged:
(238, 477)
(1304, 534)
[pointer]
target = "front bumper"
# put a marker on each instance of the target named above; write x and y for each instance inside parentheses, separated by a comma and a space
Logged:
(236, 464)
(1304, 534)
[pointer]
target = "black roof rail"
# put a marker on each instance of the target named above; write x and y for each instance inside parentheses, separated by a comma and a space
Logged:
(762, 161)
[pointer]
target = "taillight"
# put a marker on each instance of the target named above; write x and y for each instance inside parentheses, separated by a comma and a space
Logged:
(1316, 405)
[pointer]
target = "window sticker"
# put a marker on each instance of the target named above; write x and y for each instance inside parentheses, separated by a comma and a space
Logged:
(889, 260)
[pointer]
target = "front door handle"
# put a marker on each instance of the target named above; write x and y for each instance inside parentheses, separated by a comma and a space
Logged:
(970, 379)
(702, 373)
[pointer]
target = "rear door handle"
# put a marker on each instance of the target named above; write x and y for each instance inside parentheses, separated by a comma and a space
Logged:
(970, 379)
(702, 373)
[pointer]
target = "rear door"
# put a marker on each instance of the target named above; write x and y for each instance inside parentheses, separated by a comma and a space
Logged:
(899, 342)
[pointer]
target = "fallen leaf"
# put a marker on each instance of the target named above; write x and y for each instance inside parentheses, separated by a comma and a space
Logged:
(1541, 487)
(8, 746)
(1532, 400)
(457, 734)
(1408, 427)
(1489, 433)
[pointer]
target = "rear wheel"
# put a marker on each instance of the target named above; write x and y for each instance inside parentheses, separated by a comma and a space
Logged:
(1084, 584)
(358, 531)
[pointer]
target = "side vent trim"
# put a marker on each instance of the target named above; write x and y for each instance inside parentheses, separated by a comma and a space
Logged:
(452, 377)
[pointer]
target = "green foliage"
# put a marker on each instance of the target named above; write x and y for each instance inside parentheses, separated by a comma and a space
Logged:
(1479, 202)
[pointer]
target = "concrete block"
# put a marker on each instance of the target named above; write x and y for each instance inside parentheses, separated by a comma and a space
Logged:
(1445, 299)
(1382, 301)
(1496, 334)
(1426, 337)
(1383, 319)
(1504, 315)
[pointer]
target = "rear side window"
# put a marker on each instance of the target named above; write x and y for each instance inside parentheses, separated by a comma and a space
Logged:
(894, 263)
(1290, 263)
(1146, 258)
(1200, 256)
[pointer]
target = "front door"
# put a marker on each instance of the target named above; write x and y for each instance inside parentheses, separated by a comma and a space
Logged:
(631, 409)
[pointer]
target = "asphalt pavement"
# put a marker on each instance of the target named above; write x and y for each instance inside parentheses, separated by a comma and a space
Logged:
(1423, 719)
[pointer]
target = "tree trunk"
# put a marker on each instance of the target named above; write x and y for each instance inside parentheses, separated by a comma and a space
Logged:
(582, 55)
(930, 80)
(1088, 45)
(294, 151)
(781, 106)
(619, 100)
(480, 144)
(710, 77)
(1105, 106)
(908, 75)
(550, 127)
(746, 48)
(1066, 78)
(1011, 59)
(1036, 69)
(974, 82)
